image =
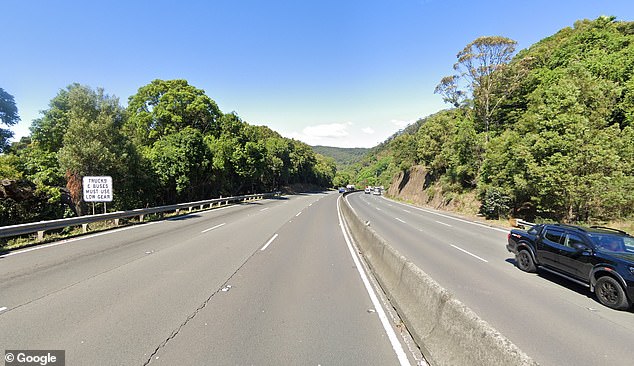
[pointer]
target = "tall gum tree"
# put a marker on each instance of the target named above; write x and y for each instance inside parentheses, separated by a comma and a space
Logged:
(479, 71)
(8, 117)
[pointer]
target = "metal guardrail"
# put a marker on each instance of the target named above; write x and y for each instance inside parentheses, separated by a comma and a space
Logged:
(43, 226)
(521, 223)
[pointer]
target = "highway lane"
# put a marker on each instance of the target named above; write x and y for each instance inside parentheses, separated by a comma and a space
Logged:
(553, 321)
(270, 282)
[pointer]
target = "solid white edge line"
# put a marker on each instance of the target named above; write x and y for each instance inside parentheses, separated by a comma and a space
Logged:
(68, 241)
(268, 243)
(396, 345)
(211, 228)
(449, 217)
(71, 240)
(471, 254)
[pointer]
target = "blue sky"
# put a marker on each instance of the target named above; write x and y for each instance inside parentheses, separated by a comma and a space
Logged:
(337, 73)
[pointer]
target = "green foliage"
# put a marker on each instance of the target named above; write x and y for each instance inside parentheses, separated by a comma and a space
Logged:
(182, 164)
(165, 107)
(324, 170)
(344, 157)
(559, 144)
(494, 204)
(8, 117)
(341, 179)
(9, 167)
(172, 144)
(404, 151)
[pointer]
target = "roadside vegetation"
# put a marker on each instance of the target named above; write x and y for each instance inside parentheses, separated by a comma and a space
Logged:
(543, 134)
(171, 144)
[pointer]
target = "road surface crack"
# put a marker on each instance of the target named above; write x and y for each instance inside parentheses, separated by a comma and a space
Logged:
(174, 333)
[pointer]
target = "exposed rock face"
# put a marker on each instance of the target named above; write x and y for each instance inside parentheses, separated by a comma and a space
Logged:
(417, 186)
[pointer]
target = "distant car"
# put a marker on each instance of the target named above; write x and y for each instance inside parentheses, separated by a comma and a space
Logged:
(368, 190)
(377, 191)
(342, 189)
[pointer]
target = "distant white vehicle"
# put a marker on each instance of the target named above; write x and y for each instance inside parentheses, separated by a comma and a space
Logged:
(377, 191)
(368, 190)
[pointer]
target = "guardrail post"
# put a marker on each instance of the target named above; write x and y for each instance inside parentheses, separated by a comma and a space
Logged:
(116, 222)
(40, 235)
(84, 228)
(141, 217)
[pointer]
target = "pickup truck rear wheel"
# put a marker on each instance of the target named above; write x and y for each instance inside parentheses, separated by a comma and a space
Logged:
(525, 261)
(610, 293)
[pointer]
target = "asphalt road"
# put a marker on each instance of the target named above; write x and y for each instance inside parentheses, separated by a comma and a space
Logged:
(554, 321)
(266, 283)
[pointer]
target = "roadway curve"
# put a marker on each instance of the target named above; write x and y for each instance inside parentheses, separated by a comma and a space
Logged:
(554, 321)
(268, 283)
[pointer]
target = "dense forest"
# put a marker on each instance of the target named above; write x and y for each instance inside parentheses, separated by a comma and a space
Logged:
(545, 133)
(344, 156)
(171, 144)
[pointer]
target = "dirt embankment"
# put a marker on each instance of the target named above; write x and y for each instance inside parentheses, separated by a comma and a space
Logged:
(416, 186)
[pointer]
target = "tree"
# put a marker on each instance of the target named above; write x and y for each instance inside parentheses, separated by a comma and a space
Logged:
(182, 163)
(8, 117)
(448, 88)
(404, 151)
(164, 107)
(94, 145)
(479, 65)
(324, 170)
(48, 131)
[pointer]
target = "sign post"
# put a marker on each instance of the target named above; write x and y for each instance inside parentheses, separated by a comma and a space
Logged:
(97, 189)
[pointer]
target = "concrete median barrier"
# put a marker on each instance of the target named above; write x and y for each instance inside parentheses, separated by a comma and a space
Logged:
(447, 331)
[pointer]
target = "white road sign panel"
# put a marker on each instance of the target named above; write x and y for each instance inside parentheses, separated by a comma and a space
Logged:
(97, 189)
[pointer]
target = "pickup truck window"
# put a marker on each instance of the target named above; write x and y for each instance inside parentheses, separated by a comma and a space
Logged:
(629, 244)
(573, 241)
(534, 230)
(554, 236)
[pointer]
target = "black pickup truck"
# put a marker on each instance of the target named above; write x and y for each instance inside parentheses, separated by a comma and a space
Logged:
(597, 257)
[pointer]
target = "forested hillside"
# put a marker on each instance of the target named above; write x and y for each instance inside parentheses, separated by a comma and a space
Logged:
(343, 156)
(171, 144)
(546, 133)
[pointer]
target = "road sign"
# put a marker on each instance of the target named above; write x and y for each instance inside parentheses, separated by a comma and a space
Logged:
(97, 189)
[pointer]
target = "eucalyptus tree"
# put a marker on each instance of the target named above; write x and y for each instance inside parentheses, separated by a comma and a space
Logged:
(479, 72)
(8, 117)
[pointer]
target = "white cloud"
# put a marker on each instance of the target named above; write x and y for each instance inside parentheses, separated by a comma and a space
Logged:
(333, 130)
(368, 130)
